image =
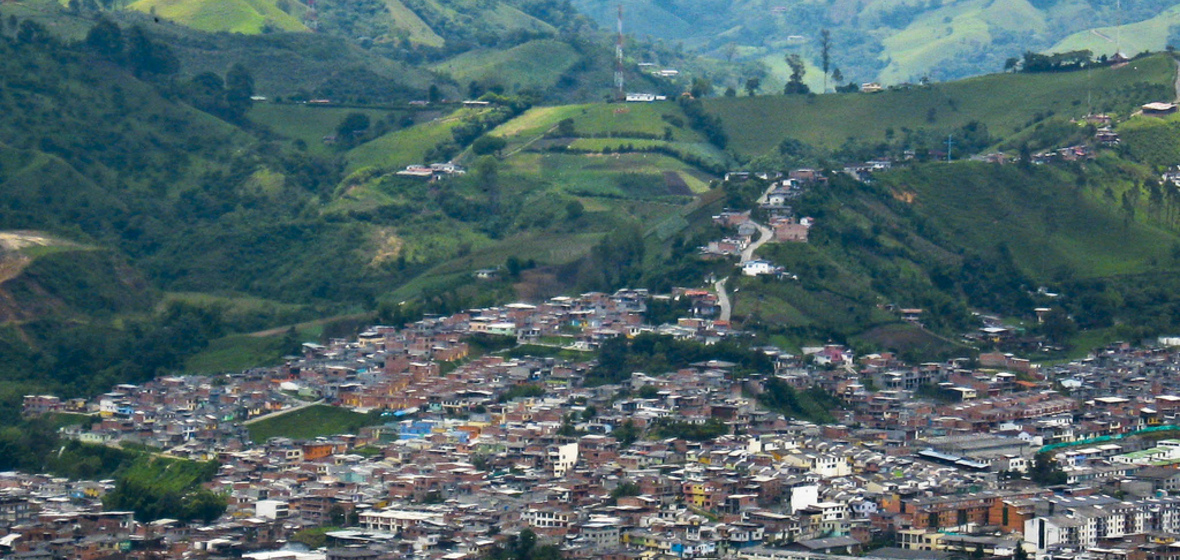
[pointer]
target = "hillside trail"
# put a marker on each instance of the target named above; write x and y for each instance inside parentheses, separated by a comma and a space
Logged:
(280, 330)
(278, 413)
(529, 143)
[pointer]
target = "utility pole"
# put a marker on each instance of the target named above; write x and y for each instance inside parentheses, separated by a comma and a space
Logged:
(619, 93)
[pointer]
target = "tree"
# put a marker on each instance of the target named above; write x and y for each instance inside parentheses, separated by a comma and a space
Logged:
(433, 95)
(626, 489)
(239, 92)
(837, 77)
(1010, 63)
(795, 84)
(574, 209)
(106, 39)
(146, 57)
(206, 92)
(565, 128)
(488, 145)
(1057, 325)
(487, 176)
(30, 32)
(700, 87)
(626, 434)
(513, 266)
(752, 86)
(730, 92)
(353, 124)
(1046, 471)
(336, 515)
(825, 54)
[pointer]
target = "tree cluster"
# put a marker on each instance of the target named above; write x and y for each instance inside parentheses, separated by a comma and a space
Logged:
(1056, 62)
(699, 119)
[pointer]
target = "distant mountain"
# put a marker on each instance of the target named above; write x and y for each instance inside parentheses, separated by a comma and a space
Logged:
(891, 42)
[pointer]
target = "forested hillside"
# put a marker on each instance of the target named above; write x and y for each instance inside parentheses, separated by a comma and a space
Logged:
(181, 213)
(155, 210)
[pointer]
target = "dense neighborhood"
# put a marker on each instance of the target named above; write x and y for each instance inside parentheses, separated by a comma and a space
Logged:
(994, 457)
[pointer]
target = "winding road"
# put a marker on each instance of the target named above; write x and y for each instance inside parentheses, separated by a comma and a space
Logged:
(723, 299)
(748, 252)
(747, 255)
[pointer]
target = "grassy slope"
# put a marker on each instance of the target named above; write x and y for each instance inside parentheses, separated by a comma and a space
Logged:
(611, 188)
(955, 30)
(780, 72)
(534, 64)
(1046, 227)
(408, 21)
(49, 14)
(596, 175)
(403, 147)
(756, 125)
(235, 16)
(1148, 35)
(1153, 141)
(600, 118)
(284, 64)
(1050, 223)
(235, 353)
(310, 422)
(308, 123)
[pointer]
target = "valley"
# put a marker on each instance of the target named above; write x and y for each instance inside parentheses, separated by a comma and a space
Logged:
(375, 279)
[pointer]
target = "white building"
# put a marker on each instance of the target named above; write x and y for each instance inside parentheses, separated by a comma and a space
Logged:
(394, 520)
(564, 458)
(271, 509)
(758, 267)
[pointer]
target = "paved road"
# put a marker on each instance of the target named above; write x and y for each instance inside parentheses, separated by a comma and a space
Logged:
(747, 255)
(766, 234)
(723, 299)
(766, 194)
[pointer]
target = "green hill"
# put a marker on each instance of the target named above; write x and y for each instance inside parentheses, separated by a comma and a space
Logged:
(193, 217)
(295, 66)
(939, 38)
(59, 279)
(536, 64)
(235, 16)
(416, 30)
(971, 236)
(1004, 103)
(1134, 37)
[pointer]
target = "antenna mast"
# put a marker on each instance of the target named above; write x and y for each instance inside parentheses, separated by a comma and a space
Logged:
(619, 94)
(1118, 30)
